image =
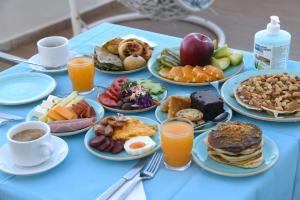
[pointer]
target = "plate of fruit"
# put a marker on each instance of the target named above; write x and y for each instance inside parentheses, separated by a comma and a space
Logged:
(132, 96)
(204, 108)
(122, 56)
(67, 116)
(198, 61)
(123, 137)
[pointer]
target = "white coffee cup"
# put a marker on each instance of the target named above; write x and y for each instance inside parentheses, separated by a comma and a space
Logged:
(34, 152)
(53, 50)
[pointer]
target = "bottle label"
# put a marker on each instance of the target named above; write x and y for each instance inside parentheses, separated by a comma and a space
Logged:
(271, 57)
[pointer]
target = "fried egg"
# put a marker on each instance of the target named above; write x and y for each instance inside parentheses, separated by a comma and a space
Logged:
(139, 145)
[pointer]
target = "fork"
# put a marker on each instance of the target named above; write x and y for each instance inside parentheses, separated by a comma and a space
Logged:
(148, 172)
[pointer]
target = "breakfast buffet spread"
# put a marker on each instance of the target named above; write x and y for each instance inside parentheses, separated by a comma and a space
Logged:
(221, 146)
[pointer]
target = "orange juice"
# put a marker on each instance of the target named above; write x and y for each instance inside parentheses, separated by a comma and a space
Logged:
(177, 142)
(81, 72)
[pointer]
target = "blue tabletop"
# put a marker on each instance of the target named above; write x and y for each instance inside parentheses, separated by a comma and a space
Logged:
(84, 176)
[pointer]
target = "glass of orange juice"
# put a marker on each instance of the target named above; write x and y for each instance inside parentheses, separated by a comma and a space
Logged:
(81, 72)
(177, 137)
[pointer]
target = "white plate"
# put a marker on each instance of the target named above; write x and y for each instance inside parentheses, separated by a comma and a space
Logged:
(60, 153)
(37, 59)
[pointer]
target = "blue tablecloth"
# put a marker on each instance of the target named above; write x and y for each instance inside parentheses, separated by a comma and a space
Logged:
(84, 176)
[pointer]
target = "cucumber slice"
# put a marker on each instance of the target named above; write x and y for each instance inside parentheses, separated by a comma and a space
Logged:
(236, 58)
(222, 63)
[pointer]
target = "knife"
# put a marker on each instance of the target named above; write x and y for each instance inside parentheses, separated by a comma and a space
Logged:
(128, 176)
(10, 116)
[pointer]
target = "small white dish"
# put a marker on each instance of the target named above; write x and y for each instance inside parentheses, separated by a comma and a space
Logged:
(37, 59)
(60, 153)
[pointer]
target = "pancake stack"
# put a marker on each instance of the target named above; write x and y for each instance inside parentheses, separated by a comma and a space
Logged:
(236, 143)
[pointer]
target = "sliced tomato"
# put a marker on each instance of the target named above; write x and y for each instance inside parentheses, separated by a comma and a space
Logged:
(118, 82)
(111, 95)
(105, 100)
(114, 91)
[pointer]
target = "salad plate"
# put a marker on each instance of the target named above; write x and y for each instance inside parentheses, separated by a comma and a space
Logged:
(122, 156)
(22, 88)
(96, 106)
(132, 96)
(154, 65)
(231, 85)
(201, 158)
(163, 116)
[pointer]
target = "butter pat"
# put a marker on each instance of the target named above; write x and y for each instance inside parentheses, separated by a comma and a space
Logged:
(39, 111)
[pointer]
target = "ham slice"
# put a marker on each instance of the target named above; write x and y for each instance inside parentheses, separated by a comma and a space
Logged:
(70, 125)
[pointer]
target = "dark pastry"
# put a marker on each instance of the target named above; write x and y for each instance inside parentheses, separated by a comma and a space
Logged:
(209, 104)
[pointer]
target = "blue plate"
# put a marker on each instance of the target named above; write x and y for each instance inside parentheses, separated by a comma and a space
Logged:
(231, 85)
(201, 158)
(123, 155)
(228, 73)
(99, 114)
(22, 88)
(163, 116)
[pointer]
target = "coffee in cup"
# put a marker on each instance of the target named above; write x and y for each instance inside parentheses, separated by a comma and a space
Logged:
(30, 143)
(28, 135)
(53, 50)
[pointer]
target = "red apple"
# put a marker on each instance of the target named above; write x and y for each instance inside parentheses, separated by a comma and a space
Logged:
(196, 49)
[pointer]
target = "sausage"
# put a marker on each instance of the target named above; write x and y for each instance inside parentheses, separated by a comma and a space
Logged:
(104, 145)
(70, 125)
(97, 141)
(112, 144)
(118, 147)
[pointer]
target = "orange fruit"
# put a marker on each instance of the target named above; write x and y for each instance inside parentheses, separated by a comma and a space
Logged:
(214, 72)
(188, 74)
(176, 74)
(201, 76)
(165, 72)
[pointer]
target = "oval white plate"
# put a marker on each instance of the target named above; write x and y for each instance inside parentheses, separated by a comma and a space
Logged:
(123, 155)
(99, 114)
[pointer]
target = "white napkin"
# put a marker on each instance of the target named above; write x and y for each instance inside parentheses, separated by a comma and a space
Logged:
(152, 44)
(138, 193)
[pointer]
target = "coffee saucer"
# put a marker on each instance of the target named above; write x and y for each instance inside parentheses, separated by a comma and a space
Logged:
(60, 153)
(37, 59)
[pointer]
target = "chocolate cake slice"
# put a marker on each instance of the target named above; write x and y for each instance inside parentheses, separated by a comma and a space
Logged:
(211, 105)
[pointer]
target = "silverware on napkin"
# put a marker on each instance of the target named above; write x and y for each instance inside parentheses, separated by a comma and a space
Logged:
(7, 116)
(128, 176)
(147, 173)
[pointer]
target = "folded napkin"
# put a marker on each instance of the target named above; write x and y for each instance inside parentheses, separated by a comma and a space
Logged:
(152, 44)
(138, 193)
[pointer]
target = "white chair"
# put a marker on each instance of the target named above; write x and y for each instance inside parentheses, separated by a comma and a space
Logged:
(153, 9)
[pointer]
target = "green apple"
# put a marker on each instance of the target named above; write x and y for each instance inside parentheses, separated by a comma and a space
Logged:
(222, 63)
(236, 58)
(222, 52)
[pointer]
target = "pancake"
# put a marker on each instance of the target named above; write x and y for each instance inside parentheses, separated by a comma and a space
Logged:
(250, 163)
(244, 152)
(235, 137)
(236, 143)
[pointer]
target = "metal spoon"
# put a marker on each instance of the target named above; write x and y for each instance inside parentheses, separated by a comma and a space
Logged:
(221, 117)
(17, 59)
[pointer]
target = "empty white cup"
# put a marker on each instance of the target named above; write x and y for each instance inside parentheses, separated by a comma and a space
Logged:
(34, 152)
(53, 50)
